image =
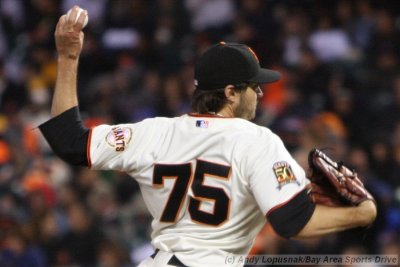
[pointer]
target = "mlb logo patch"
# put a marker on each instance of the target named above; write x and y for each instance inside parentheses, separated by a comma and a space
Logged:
(202, 124)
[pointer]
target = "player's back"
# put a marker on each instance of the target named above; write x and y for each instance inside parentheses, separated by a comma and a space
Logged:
(193, 180)
(194, 173)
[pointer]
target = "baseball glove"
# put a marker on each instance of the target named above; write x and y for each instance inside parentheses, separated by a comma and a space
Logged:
(333, 183)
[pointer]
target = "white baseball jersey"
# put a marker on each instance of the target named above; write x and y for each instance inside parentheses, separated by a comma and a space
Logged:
(207, 181)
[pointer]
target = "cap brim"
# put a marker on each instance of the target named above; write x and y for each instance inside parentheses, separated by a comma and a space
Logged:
(266, 76)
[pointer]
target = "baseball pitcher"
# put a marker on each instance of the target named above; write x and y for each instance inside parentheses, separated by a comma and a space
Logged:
(211, 178)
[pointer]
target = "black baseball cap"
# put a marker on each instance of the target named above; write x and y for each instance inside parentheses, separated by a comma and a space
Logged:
(230, 63)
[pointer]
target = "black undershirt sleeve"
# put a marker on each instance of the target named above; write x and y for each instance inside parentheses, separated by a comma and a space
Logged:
(67, 137)
(289, 219)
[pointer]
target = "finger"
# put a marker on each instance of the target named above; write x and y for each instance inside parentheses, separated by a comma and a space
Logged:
(78, 26)
(70, 20)
(81, 36)
(60, 25)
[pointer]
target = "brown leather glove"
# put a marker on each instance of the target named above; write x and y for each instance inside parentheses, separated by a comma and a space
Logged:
(332, 183)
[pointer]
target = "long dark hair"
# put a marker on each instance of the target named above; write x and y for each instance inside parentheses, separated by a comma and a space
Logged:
(212, 101)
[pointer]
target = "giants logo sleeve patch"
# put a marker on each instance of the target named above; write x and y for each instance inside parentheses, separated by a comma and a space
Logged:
(284, 174)
(119, 137)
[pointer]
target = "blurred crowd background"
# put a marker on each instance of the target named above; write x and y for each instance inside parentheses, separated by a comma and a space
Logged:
(340, 90)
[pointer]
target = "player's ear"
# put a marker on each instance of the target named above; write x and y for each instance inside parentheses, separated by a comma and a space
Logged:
(230, 93)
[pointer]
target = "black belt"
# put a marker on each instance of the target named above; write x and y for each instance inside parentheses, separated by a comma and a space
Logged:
(173, 261)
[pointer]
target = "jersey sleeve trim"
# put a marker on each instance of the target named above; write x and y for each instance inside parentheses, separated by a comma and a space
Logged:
(282, 204)
(290, 217)
(89, 141)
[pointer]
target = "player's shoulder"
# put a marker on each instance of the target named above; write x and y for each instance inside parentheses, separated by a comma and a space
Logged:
(146, 125)
(256, 137)
(155, 121)
(250, 128)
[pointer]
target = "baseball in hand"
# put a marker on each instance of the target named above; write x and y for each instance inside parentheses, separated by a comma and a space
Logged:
(80, 10)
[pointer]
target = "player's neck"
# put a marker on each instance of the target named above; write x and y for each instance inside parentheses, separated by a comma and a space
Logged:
(226, 112)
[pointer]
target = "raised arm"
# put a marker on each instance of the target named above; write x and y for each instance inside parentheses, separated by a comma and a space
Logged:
(65, 132)
(69, 41)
